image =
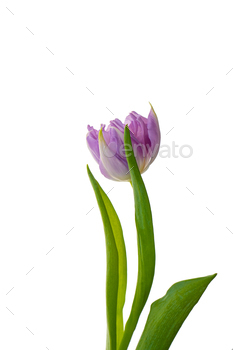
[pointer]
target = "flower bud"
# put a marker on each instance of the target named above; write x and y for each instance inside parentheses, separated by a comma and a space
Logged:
(108, 148)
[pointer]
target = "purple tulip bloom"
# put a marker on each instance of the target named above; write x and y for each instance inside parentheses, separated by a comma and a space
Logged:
(108, 149)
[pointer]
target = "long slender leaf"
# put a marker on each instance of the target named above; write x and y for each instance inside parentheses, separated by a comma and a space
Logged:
(116, 278)
(168, 313)
(145, 240)
(122, 261)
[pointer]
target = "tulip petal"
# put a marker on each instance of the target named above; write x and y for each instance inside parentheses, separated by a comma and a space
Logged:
(116, 166)
(154, 138)
(153, 132)
(118, 124)
(104, 171)
(138, 126)
(92, 142)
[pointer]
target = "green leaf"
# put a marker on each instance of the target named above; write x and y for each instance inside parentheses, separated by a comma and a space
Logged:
(122, 268)
(116, 278)
(145, 240)
(168, 313)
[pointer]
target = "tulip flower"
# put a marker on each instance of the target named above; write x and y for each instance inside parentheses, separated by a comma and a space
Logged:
(108, 149)
(124, 152)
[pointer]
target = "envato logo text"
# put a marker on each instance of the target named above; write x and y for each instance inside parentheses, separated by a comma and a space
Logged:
(141, 150)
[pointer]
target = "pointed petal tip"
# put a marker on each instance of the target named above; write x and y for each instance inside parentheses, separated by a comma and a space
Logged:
(152, 108)
(100, 135)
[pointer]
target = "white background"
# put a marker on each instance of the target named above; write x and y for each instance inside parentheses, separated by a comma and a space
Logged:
(171, 53)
